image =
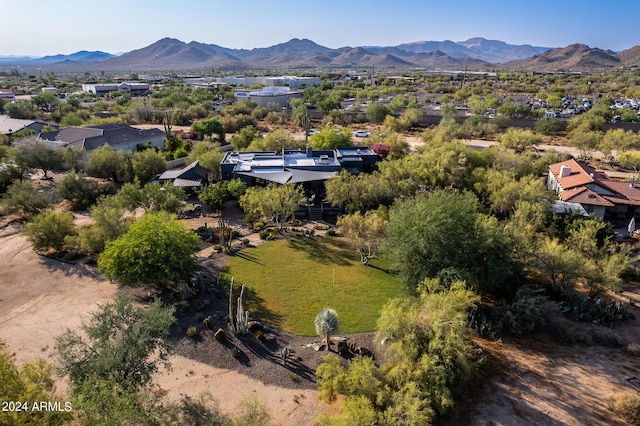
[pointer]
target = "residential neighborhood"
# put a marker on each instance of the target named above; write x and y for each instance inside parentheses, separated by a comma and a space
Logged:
(371, 231)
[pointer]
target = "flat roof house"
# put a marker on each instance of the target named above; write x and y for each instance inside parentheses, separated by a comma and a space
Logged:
(268, 95)
(576, 182)
(310, 168)
(99, 90)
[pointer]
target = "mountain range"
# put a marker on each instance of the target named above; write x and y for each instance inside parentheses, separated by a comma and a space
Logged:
(477, 53)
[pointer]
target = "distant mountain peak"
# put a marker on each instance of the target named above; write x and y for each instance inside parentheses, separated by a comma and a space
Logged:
(170, 54)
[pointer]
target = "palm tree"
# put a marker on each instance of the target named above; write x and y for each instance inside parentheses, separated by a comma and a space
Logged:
(327, 322)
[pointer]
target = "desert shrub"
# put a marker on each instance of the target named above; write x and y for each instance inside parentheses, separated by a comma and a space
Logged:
(24, 197)
(627, 406)
(192, 331)
(607, 338)
(485, 321)
(258, 225)
(251, 412)
(633, 349)
(529, 310)
(331, 232)
(48, 230)
(198, 317)
(601, 312)
(245, 241)
(268, 234)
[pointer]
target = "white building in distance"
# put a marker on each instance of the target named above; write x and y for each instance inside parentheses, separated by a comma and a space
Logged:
(269, 95)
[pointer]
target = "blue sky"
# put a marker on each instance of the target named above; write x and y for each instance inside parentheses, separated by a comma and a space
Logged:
(47, 27)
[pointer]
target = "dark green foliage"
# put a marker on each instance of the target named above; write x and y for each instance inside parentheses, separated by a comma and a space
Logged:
(549, 126)
(25, 198)
(9, 173)
(82, 192)
(529, 311)
(607, 313)
(444, 229)
(124, 346)
(209, 127)
(38, 155)
(559, 225)
(214, 195)
(147, 164)
(155, 251)
(152, 196)
(106, 162)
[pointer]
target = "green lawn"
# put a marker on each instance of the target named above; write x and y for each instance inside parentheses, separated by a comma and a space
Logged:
(290, 281)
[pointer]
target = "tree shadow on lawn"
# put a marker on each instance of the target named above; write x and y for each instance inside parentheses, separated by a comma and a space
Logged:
(250, 257)
(327, 249)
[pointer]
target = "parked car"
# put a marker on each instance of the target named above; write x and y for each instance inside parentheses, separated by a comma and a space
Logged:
(312, 132)
(361, 134)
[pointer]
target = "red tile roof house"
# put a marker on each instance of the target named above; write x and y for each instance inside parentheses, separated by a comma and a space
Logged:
(612, 200)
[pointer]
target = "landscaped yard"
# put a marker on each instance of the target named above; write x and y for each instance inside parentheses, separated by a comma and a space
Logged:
(290, 281)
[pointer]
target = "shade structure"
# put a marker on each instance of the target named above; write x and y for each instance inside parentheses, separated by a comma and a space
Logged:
(290, 175)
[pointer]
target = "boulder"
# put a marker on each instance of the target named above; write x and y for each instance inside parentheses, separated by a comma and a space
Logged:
(220, 335)
(255, 326)
(364, 351)
(343, 348)
(269, 338)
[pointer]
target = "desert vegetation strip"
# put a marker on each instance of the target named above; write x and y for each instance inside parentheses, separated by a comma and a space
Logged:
(290, 281)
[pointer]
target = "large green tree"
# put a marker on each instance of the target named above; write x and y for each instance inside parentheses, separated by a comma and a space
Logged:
(122, 344)
(331, 137)
(106, 162)
(155, 251)
(112, 360)
(38, 155)
(209, 127)
(147, 164)
(209, 156)
(276, 203)
(444, 233)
